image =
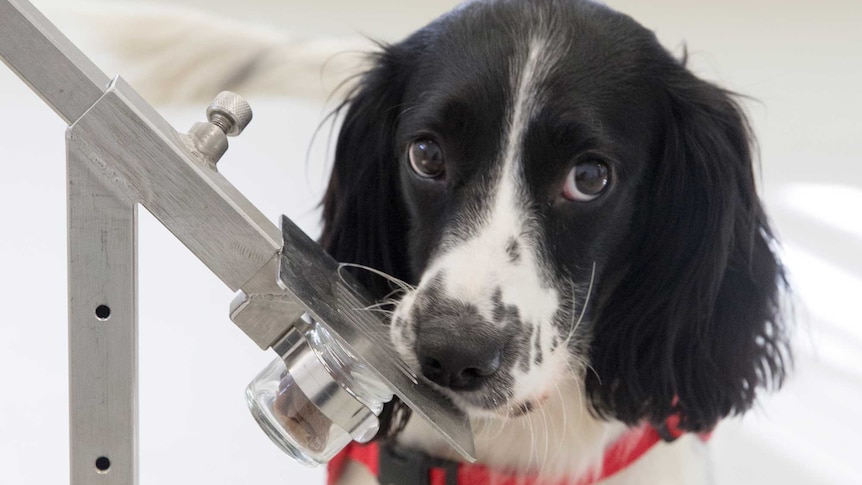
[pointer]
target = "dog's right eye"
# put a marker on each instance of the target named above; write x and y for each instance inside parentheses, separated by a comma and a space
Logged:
(586, 181)
(426, 158)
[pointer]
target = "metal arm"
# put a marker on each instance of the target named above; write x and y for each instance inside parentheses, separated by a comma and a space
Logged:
(44, 59)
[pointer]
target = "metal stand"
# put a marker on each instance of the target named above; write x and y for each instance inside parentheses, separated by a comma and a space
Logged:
(121, 153)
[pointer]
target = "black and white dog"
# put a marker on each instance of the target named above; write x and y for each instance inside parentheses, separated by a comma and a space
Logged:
(575, 213)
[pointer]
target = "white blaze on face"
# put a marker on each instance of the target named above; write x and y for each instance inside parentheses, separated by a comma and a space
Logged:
(503, 255)
(474, 269)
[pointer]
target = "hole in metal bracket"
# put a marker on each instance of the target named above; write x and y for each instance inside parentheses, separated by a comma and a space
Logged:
(103, 464)
(103, 312)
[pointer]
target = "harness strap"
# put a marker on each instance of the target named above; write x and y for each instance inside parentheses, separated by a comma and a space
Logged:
(396, 465)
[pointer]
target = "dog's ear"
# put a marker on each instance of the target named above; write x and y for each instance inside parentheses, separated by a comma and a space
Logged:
(364, 221)
(694, 326)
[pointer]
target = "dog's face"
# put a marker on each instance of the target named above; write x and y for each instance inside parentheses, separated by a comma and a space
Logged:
(520, 154)
(563, 194)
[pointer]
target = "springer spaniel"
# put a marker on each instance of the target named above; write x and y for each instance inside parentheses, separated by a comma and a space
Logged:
(575, 216)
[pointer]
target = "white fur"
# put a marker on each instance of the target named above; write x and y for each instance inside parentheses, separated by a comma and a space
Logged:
(472, 270)
(525, 285)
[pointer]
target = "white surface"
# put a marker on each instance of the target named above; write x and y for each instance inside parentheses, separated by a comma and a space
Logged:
(801, 61)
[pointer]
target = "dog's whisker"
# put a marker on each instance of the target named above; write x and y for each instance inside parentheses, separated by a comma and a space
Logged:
(526, 424)
(492, 433)
(500, 429)
(391, 296)
(378, 307)
(589, 293)
(381, 304)
(565, 417)
(572, 323)
(381, 311)
(577, 373)
(529, 422)
(484, 424)
(547, 432)
(583, 366)
(535, 437)
(577, 324)
(401, 283)
(580, 410)
(485, 431)
(386, 313)
(588, 367)
(564, 430)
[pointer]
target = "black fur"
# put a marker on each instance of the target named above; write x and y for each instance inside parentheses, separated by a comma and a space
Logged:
(696, 316)
(363, 214)
(364, 218)
(686, 312)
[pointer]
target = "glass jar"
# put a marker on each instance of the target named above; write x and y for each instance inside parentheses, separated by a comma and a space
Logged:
(317, 397)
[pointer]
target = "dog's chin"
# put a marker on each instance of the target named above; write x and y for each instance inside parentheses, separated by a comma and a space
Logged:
(484, 407)
(485, 403)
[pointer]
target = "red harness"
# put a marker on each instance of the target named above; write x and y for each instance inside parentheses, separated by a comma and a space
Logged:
(392, 466)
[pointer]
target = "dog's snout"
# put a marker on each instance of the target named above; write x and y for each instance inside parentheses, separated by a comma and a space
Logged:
(462, 365)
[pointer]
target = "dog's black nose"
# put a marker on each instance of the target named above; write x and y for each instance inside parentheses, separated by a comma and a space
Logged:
(459, 365)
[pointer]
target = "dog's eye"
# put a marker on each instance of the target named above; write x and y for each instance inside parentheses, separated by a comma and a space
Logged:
(426, 158)
(586, 181)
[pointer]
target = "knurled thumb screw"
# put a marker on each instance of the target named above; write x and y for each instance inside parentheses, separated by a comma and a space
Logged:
(230, 112)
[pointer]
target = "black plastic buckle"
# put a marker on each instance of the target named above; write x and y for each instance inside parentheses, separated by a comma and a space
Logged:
(401, 466)
(665, 433)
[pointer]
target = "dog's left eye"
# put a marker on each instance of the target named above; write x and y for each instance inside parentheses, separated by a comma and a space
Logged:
(426, 158)
(586, 181)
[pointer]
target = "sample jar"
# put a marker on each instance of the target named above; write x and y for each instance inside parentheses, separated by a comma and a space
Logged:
(317, 397)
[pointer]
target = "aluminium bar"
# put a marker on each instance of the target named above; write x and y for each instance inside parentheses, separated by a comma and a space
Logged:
(103, 326)
(47, 61)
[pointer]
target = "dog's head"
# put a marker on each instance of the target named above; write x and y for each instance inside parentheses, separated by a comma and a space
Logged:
(563, 195)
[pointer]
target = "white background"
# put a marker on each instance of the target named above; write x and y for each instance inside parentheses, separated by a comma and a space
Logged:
(801, 62)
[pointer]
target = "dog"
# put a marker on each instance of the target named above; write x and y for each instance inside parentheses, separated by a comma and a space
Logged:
(569, 214)
(575, 217)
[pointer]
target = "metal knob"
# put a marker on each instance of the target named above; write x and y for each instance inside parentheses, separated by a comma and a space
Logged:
(230, 112)
(228, 115)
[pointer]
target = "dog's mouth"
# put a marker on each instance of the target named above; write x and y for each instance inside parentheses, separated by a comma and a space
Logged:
(520, 409)
(489, 404)
(510, 410)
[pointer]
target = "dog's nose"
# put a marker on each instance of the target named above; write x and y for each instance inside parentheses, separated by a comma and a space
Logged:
(461, 366)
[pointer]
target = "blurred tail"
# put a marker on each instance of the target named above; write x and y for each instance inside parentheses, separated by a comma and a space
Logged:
(172, 54)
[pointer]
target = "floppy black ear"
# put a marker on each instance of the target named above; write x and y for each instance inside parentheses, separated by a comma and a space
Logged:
(694, 325)
(364, 221)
